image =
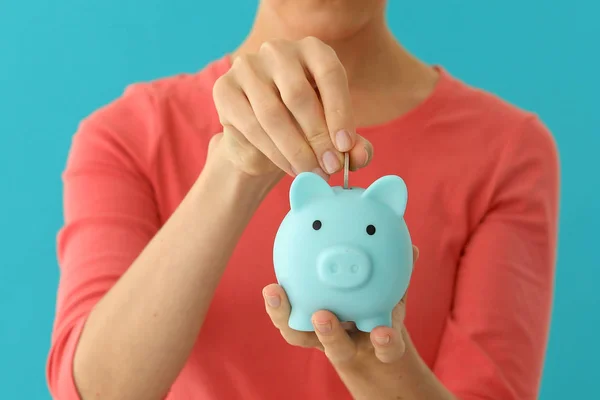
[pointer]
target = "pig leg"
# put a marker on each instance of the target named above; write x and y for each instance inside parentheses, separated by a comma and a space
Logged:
(368, 324)
(300, 320)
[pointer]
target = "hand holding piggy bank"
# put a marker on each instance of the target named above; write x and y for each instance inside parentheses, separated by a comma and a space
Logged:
(347, 251)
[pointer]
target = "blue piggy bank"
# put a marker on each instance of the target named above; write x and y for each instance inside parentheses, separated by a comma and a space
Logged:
(347, 251)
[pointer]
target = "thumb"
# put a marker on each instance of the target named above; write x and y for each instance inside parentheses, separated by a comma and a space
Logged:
(361, 154)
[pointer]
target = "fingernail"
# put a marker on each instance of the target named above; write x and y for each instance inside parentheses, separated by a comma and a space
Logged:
(323, 327)
(273, 301)
(321, 173)
(382, 339)
(343, 141)
(362, 160)
(368, 155)
(331, 162)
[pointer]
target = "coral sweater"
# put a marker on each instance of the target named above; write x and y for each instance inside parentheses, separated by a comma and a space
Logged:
(483, 185)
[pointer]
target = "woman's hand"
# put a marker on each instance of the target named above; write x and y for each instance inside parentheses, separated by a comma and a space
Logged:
(343, 344)
(288, 108)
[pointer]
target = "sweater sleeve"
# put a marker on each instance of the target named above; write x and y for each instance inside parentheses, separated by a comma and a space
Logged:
(109, 216)
(496, 336)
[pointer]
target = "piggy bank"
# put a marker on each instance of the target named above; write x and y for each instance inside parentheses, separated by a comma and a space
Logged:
(347, 251)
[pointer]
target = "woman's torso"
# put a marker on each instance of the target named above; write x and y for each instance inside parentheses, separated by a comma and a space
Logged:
(445, 149)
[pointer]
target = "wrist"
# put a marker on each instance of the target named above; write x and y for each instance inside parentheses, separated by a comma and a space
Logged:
(223, 179)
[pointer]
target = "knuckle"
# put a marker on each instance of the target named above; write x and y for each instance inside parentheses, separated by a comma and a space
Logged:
(221, 86)
(250, 126)
(238, 63)
(218, 86)
(297, 92)
(319, 139)
(329, 67)
(270, 108)
(223, 90)
(313, 41)
(323, 49)
(243, 62)
(273, 46)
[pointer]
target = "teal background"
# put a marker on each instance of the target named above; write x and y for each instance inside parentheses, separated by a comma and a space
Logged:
(60, 60)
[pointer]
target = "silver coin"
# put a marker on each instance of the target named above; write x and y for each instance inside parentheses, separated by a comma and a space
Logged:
(346, 169)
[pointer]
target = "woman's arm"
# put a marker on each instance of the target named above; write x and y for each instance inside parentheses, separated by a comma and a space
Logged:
(138, 337)
(496, 335)
(131, 303)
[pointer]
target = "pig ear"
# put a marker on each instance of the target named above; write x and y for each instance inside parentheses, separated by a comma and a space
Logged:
(306, 187)
(389, 190)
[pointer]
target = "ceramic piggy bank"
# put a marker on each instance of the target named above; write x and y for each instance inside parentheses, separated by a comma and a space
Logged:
(347, 251)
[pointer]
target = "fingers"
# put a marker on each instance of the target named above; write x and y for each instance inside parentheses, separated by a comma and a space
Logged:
(361, 154)
(330, 78)
(301, 100)
(340, 341)
(331, 81)
(242, 126)
(388, 344)
(273, 116)
(337, 340)
(270, 98)
(337, 344)
(278, 308)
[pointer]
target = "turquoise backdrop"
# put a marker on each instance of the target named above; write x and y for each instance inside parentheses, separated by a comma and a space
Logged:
(61, 59)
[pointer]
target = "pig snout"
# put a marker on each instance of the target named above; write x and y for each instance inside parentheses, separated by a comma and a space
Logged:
(343, 267)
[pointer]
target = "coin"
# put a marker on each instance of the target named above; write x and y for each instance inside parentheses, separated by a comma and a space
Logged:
(346, 169)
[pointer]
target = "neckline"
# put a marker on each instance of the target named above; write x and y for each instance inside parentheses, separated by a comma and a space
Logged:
(413, 118)
(408, 122)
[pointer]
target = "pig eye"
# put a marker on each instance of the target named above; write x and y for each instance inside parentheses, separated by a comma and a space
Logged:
(371, 230)
(317, 225)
